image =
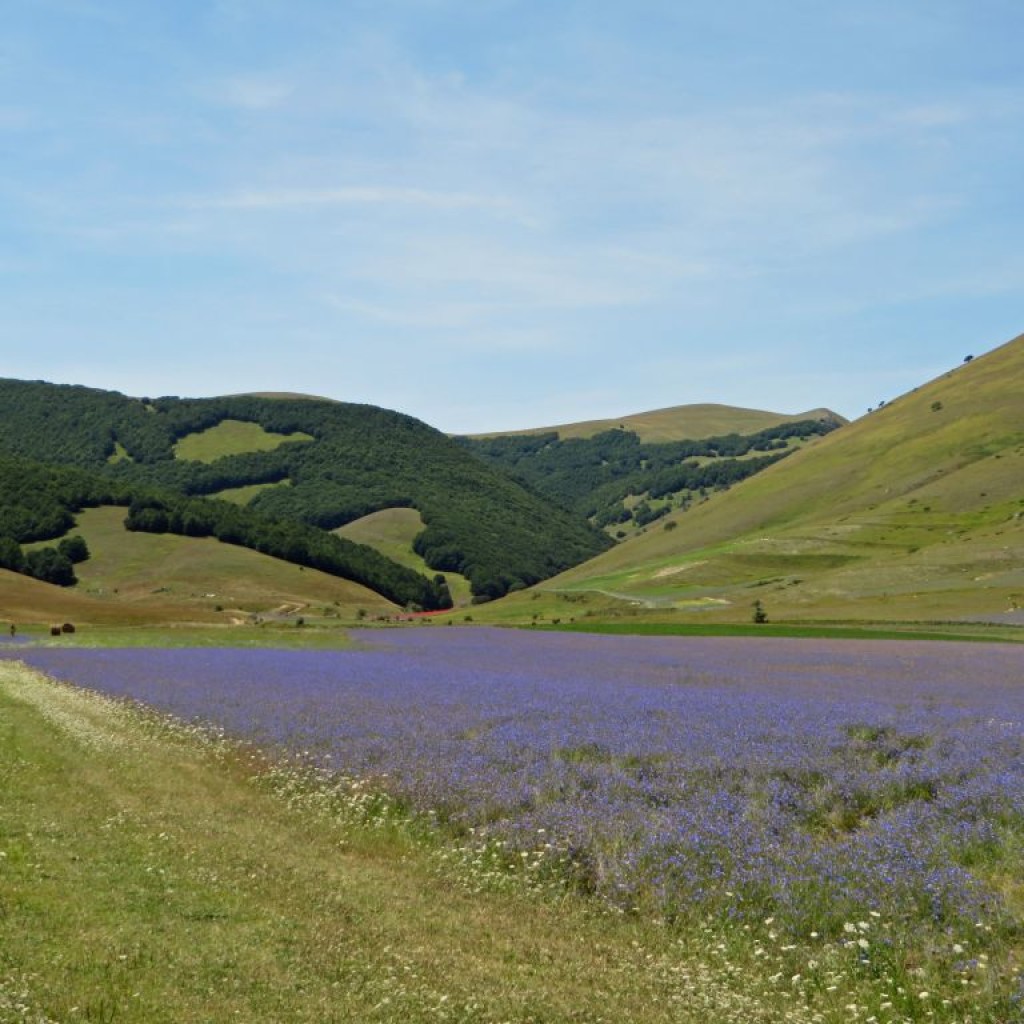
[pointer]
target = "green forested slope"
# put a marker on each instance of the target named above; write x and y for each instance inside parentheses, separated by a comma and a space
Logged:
(595, 475)
(479, 521)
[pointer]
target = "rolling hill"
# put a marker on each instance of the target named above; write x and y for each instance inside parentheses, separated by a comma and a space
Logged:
(136, 578)
(299, 461)
(676, 423)
(618, 481)
(914, 511)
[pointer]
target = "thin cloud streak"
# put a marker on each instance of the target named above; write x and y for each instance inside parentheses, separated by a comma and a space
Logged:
(371, 195)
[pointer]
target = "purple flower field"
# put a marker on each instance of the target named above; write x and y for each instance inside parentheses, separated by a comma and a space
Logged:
(810, 780)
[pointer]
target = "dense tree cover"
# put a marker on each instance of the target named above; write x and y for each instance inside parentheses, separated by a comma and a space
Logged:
(362, 459)
(74, 549)
(50, 566)
(593, 475)
(38, 503)
(78, 426)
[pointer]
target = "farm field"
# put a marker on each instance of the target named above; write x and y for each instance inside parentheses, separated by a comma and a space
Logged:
(845, 818)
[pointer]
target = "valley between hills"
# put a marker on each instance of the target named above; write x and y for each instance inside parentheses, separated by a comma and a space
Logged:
(299, 515)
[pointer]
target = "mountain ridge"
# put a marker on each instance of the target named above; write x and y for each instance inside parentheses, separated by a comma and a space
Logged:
(674, 423)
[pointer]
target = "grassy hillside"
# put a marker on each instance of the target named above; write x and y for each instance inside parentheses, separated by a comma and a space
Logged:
(137, 578)
(230, 582)
(676, 423)
(914, 511)
(393, 531)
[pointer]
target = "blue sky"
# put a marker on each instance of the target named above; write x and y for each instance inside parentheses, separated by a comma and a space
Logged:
(495, 214)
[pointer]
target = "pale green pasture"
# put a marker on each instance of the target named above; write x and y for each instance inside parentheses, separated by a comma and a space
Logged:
(231, 437)
(243, 495)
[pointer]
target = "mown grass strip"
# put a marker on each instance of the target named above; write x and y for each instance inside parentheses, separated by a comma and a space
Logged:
(276, 636)
(801, 631)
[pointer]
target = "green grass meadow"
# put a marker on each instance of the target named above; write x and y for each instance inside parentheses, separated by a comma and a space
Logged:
(232, 437)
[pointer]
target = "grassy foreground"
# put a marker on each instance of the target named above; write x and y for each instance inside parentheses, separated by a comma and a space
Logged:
(150, 874)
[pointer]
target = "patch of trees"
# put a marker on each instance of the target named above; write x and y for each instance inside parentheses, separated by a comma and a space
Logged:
(38, 503)
(77, 426)
(47, 564)
(50, 566)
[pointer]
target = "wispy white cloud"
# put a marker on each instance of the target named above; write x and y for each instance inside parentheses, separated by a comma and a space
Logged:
(250, 92)
(353, 195)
